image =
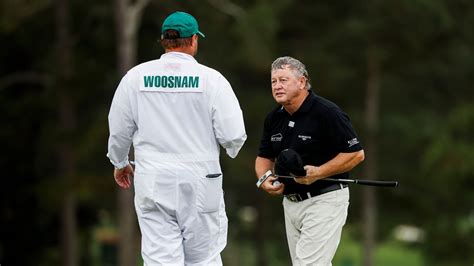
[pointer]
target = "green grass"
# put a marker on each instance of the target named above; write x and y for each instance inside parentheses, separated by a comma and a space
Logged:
(391, 253)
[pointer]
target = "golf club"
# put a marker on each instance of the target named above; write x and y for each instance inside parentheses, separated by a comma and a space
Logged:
(376, 183)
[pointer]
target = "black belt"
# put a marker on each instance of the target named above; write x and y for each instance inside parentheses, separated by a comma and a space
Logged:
(297, 197)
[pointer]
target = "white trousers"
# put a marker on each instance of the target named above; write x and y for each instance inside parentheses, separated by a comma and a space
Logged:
(314, 226)
(181, 214)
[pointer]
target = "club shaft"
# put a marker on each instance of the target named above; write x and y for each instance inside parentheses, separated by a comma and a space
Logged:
(376, 183)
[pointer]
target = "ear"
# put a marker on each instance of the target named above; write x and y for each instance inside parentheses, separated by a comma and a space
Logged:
(303, 83)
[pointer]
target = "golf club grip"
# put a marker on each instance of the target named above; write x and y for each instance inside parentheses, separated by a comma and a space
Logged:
(365, 182)
(376, 183)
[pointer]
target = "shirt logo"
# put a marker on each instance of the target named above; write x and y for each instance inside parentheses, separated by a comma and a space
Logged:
(304, 138)
(353, 142)
(276, 137)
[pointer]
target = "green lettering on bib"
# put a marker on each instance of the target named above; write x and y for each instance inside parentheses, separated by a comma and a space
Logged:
(164, 81)
(193, 82)
(171, 81)
(177, 81)
(185, 82)
(148, 81)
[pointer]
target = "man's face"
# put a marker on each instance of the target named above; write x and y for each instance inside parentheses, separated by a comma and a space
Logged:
(286, 85)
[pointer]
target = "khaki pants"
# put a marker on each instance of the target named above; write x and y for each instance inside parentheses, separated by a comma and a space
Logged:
(314, 226)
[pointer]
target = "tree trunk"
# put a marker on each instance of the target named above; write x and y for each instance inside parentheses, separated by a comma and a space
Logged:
(67, 123)
(127, 18)
(370, 170)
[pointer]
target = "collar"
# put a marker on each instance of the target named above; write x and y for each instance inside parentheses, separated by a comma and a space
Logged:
(178, 55)
(305, 107)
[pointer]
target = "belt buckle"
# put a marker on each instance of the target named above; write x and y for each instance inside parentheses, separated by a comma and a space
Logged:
(294, 197)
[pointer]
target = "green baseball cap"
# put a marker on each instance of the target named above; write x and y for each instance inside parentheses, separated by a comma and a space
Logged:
(184, 23)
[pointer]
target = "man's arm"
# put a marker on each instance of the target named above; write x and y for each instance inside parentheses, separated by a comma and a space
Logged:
(262, 165)
(121, 128)
(228, 121)
(343, 162)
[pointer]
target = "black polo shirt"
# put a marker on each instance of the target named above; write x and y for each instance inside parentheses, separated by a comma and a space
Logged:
(318, 131)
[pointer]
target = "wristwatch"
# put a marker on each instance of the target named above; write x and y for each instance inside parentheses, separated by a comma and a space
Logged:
(263, 178)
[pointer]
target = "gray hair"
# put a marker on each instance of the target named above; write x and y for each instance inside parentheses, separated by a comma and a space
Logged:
(294, 64)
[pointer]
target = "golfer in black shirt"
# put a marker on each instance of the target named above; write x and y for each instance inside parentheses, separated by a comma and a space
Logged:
(322, 134)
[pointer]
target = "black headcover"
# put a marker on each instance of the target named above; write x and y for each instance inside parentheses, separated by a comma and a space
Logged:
(289, 162)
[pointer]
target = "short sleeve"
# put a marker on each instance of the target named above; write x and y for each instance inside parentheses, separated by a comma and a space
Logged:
(342, 132)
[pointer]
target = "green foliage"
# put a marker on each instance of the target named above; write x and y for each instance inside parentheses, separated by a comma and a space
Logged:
(448, 162)
(425, 49)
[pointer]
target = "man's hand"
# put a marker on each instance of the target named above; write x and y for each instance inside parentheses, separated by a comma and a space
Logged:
(270, 188)
(122, 176)
(312, 175)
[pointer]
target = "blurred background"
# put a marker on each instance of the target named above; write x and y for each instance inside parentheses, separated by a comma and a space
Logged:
(403, 70)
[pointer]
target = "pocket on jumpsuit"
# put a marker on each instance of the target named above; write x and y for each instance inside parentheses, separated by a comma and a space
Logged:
(209, 194)
(144, 187)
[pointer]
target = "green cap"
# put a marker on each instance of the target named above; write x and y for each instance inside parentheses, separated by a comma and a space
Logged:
(185, 24)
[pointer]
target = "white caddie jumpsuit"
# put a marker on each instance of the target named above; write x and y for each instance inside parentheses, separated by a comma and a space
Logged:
(177, 112)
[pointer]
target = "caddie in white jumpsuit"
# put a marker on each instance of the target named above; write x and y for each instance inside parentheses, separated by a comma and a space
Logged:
(176, 112)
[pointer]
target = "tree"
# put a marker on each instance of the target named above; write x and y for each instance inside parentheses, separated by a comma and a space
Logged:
(67, 125)
(128, 15)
